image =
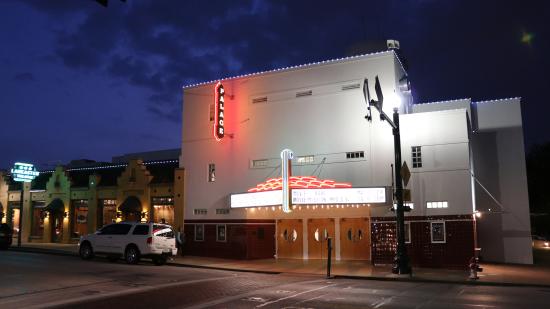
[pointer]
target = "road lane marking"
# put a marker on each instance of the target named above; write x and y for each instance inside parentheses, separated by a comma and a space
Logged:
(126, 292)
(248, 294)
(294, 295)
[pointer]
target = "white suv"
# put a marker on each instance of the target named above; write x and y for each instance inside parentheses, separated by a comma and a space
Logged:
(131, 240)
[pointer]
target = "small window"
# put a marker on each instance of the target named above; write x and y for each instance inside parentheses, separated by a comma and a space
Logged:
(305, 159)
(222, 211)
(199, 232)
(221, 233)
(407, 232)
(416, 156)
(411, 205)
(141, 230)
(442, 204)
(200, 211)
(294, 235)
(355, 155)
(438, 232)
(259, 163)
(211, 172)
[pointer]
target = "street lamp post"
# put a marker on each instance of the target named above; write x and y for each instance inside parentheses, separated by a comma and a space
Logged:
(401, 260)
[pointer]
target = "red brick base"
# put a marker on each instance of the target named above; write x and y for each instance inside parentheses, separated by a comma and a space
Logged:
(244, 240)
(455, 252)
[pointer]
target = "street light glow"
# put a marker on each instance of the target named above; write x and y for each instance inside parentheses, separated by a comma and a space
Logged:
(395, 100)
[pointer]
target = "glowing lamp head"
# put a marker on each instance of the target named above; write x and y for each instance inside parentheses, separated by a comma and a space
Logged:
(395, 101)
(478, 214)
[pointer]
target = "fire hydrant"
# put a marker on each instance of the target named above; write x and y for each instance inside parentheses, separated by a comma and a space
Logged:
(474, 268)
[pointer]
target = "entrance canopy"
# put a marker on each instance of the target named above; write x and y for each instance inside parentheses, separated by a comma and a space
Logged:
(308, 190)
(55, 206)
(130, 204)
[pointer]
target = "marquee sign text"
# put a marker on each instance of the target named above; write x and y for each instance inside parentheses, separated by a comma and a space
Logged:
(219, 104)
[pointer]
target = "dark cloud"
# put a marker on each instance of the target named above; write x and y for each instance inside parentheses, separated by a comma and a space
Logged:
(455, 48)
(24, 77)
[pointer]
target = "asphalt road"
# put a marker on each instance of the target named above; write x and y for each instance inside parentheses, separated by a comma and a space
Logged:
(30, 280)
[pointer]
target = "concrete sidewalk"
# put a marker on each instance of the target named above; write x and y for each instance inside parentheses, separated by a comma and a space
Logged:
(493, 274)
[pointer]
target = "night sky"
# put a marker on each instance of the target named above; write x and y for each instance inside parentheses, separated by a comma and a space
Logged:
(79, 80)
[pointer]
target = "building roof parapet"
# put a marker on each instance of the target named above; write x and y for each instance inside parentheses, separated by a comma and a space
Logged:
(300, 66)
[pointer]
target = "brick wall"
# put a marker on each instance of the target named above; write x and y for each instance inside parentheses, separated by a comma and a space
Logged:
(454, 253)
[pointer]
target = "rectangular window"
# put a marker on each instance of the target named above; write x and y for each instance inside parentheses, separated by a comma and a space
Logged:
(355, 155)
(222, 211)
(305, 159)
(221, 233)
(107, 212)
(438, 232)
(407, 232)
(211, 172)
(416, 156)
(411, 205)
(163, 209)
(259, 163)
(199, 232)
(37, 228)
(79, 222)
(442, 204)
(200, 211)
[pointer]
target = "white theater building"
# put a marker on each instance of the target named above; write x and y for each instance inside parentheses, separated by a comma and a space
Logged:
(465, 158)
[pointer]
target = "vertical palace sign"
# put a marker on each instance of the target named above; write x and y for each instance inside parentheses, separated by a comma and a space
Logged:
(219, 105)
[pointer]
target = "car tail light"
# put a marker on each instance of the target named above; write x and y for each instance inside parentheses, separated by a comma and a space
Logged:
(149, 240)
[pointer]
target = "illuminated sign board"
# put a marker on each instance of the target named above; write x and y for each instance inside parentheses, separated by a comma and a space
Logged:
(219, 103)
(311, 197)
(24, 172)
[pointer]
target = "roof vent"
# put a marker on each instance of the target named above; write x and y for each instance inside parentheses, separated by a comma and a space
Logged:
(393, 44)
(304, 93)
(259, 100)
(350, 87)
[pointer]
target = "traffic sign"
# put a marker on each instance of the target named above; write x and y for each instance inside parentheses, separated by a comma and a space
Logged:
(405, 173)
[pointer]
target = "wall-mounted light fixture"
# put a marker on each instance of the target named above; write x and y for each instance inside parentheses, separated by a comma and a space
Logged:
(119, 214)
(65, 214)
(144, 214)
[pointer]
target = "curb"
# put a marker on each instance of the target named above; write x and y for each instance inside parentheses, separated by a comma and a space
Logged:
(269, 272)
(427, 280)
(43, 251)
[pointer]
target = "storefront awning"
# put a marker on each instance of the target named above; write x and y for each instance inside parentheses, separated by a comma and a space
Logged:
(130, 204)
(55, 206)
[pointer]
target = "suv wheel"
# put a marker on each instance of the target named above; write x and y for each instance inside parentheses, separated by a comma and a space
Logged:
(86, 252)
(131, 255)
(159, 260)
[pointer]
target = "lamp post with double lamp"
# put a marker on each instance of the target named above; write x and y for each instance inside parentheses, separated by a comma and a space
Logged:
(401, 260)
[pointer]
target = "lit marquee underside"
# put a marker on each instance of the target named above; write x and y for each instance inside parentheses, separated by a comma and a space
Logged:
(311, 197)
(299, 182)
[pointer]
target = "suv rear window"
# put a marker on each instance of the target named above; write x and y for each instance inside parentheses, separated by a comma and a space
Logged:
(141, 230)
